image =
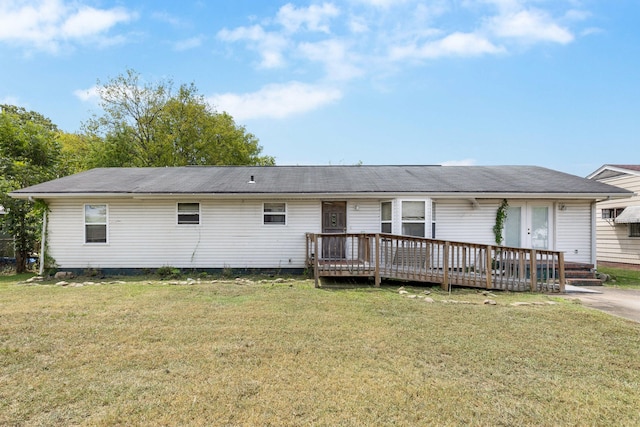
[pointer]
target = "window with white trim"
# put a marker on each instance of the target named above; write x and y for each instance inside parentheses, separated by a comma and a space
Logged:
(413, 218)
(634, 229)
(274, 213)
(433, 220)
(386, 217)
(189, 213)
(95, 223)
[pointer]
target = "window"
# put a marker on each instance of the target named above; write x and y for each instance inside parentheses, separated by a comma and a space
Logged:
(385, 217)
(95, 223)
(413, 216)
(189, 213)
(433, 220)
(634, 229)
(611, 213)
(275, 213)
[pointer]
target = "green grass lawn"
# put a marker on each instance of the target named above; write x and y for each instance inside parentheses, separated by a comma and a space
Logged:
(247, 353)
(622, 278)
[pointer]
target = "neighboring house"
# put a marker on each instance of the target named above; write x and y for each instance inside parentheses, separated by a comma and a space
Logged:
(618, 220)
(257, 217)
(7, 252)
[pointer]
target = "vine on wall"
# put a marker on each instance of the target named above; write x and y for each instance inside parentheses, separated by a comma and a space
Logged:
(501, 216)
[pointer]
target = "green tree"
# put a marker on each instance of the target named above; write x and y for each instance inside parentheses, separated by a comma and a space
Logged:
(155, 125)
(75, 150)
(29, 152)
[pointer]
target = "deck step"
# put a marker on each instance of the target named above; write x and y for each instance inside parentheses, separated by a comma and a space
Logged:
(579, 274)
(576, 274)
(583, 282)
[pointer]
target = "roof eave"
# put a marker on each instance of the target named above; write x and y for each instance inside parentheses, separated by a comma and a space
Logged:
(374, 195)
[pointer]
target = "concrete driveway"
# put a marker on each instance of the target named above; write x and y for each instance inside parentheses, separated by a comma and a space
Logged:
(618, 302)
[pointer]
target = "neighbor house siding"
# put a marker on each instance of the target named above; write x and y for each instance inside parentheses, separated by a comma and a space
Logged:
(613, 241)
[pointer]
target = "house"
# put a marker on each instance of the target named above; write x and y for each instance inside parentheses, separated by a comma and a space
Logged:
(258, 217)
(7, 250)
(618, 220)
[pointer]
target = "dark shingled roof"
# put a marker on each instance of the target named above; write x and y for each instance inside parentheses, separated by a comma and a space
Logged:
(322, 179)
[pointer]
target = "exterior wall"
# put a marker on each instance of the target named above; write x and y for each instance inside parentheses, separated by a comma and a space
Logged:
(570, 228)
(231, 234)
(460, 221)
(574, 233)
(613, 241)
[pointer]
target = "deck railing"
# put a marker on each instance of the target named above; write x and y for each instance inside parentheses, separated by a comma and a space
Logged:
(387, 256)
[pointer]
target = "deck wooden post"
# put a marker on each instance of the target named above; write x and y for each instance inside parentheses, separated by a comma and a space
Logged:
(488, 266)
(445, 267)
(316, 262)
(561, 270)
(533, 268)
(377, 267)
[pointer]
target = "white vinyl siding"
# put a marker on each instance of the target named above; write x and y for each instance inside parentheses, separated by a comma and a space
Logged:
(573, 235)
(570, 230)
(458, 220)
(614, 243)
(232, 234)
(144, 234)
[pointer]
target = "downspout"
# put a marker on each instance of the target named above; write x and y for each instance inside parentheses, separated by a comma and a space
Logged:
(42, 243)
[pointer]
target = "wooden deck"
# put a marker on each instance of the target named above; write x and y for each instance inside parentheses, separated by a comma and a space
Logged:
(387, 256)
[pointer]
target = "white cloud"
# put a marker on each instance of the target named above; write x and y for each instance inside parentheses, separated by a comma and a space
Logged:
(46, 24)
(456, 44)
(381, 3)
(190, 43)
(89, 21)
(269, 45)
(358, 25)
(172, 20)
(312, 18)
(91, 94)
(591, 30)
(529, 26)
(374, 38)
(9, 100)
(335, 56)
(275, 101)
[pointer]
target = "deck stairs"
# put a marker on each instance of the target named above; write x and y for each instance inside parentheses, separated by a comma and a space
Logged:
(580, 274)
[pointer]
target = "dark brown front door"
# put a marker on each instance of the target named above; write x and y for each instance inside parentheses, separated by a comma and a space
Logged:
(334, 220)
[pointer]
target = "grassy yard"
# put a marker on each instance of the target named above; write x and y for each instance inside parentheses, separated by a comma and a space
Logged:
(247, 353)
(622, 278)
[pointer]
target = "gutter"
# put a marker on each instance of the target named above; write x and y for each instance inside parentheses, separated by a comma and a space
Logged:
(328, 195)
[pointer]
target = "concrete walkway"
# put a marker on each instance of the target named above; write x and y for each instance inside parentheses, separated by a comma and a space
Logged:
(618, 302)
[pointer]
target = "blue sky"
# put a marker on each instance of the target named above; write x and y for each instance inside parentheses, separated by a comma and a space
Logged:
(553, 83)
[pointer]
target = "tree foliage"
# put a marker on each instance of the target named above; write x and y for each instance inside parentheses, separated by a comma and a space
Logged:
(154, 125)
(29, 154)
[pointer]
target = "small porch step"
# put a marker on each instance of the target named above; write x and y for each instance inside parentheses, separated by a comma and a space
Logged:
(580, 274)
(584, 282)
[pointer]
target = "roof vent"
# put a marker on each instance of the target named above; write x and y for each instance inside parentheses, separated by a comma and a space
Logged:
(251, 181)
